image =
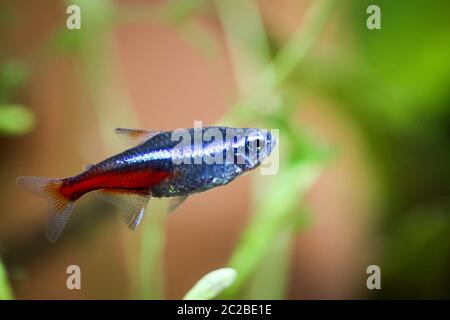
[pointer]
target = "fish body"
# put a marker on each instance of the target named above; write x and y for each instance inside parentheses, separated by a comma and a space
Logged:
(171, 164)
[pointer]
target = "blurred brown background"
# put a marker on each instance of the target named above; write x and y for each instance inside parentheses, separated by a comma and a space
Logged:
(149, 73)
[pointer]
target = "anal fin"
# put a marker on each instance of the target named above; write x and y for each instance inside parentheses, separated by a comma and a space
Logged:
(131, 205)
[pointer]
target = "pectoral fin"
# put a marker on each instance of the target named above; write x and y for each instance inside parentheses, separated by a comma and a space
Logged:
(175, 203)
(136, 137)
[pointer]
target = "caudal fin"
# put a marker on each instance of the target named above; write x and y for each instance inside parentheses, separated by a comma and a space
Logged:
(60, 207)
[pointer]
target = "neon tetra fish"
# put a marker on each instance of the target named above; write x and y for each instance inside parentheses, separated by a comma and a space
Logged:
(158, 166)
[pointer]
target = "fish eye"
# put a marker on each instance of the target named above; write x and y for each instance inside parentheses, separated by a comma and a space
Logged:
(257, 143)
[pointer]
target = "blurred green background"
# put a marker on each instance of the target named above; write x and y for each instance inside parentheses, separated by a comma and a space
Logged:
(364, 120)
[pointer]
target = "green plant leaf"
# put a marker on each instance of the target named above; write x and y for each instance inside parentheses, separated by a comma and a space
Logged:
(212, 284)
(179, 11)
(15, 119)
(5, 291)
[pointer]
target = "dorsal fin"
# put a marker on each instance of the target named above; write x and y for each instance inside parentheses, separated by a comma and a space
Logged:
(136, 137)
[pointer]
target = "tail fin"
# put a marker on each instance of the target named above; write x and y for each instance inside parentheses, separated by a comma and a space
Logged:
(60, 207)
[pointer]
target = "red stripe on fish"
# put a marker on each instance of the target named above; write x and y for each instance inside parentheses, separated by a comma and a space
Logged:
(137, 181)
